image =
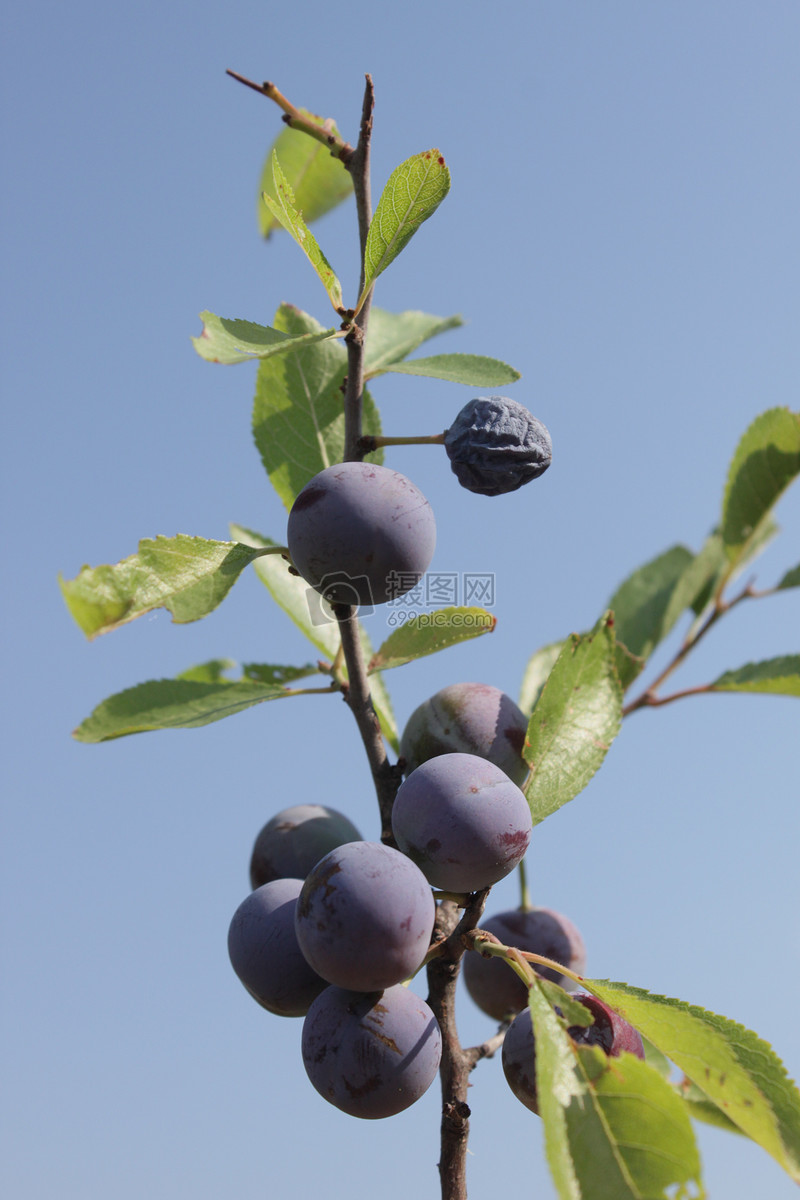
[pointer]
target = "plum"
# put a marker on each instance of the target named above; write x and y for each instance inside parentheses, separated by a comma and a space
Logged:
(470, 718)
(491, 983)
(265, 954)
(610, 1032)
(495, 445)
(371, 1055)
(462, 820)
(295, 839)
(365, 917)
(361, 534)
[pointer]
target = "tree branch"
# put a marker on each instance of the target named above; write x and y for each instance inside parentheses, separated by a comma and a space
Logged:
(385, 777)
(487, 1049)
(359, 168)
(451, 932)
(648, 698)
(321, 131)
(454, 1072)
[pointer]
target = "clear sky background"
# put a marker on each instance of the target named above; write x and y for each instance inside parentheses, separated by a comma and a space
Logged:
(622, 228)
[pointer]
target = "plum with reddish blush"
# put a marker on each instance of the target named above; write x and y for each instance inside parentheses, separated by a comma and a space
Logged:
(467, 718)
(610, 1032)
(462, 821)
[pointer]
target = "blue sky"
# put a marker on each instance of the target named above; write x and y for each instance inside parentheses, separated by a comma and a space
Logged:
(622, 228)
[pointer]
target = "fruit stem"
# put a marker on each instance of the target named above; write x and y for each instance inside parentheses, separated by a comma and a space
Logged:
(461, 899)
(374, 441)
(524, 896)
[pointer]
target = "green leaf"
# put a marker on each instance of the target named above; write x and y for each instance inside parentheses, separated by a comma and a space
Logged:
(214, 672)
(298, 411)
(765, 462)
(767, 530)
(413, 192)
(656, 1059)
(302, 604)
(189, 576)
(381, 701)
(282, 207)
(393, 336)
(614, 1128)
(293, 595)
(791, 579)
(711, 569)
(558, 1087)
(629, 666)
(430, 632)
(649, 602)
(319, 180)
(540, 664)
(475, 370)
(224, 340)
(730, 1065)
(172, 704)
(708, 565)
(208, 672)
(577, 717)
(780, 676)
(570, 1011)
(272, 673)
(700, 1109)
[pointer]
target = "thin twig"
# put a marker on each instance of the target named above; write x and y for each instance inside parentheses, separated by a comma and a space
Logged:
(321, 131)
(359, 168)
(648, 698)
(487, 1049)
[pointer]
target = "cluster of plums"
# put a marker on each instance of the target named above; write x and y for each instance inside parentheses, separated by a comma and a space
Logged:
(336, 925)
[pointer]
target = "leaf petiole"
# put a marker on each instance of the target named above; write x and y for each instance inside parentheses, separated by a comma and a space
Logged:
(487, 945)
